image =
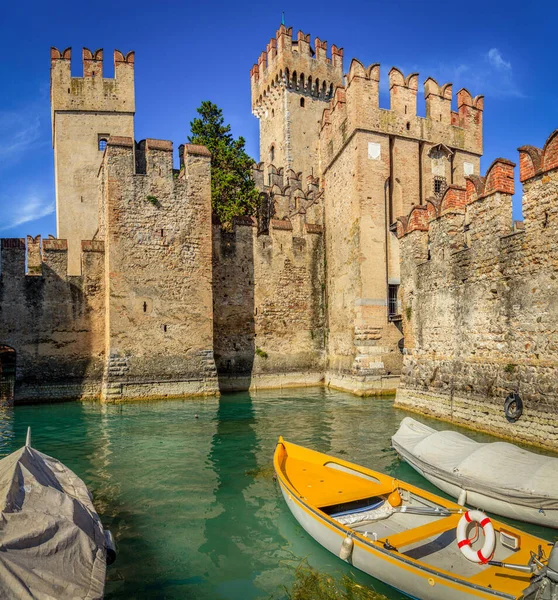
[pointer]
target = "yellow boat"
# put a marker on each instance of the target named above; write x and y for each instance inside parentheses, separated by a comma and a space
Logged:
(423, 545)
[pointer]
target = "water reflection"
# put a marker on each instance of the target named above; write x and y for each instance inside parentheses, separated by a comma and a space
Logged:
(7, 433)
(232, 454)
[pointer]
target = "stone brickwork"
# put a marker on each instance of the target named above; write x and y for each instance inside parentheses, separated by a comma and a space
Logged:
(268, 278)
(480, 301)
(307, 291)
(138, 321)
(375, 164)
(157, 230)
(53, 321)
(86, 111)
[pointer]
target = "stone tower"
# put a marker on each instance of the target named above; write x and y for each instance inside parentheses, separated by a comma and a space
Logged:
(291, 86)
(85, 112)
(376, 164)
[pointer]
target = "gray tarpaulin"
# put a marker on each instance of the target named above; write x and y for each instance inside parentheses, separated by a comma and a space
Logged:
(51, 539)
(497, 469)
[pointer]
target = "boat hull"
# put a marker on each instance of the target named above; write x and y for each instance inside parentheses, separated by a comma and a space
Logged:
(415, 582)
(546, 518)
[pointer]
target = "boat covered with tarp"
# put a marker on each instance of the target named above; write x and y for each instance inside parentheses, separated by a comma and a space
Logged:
(52, 542)
(498, 477)
(423, 545)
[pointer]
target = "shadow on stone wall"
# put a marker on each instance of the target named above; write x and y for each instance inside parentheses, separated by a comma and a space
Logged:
(233, 307)
(49, 322)
(8, 360)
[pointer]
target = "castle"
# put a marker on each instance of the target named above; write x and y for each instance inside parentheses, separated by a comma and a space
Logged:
(140, 295)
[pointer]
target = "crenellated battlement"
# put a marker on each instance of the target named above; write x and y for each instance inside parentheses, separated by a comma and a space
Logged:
(145, 170)
(92, 91)
(35, 257)
(356, 107)
(287, 200)
(150, 157)
(92, 61)
(535, 161)
(297, 66)
(499, 180)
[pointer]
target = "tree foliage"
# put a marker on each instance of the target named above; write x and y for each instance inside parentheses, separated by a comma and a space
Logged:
(233, 191)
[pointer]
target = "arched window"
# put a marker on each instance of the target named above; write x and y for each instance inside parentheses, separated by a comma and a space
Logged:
(102, 143)
(272, 153)
(302, 102)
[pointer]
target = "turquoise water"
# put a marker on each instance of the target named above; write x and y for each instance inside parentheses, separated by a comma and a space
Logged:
(192, 502)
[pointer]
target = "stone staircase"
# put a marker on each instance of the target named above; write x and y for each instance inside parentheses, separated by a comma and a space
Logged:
(208, 363)
(117, 368)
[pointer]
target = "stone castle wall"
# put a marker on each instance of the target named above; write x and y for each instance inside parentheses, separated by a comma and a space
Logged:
(157, 227)
(138, 322)
(304, 293)
(268, 276)
(480, 301)
(53, 321)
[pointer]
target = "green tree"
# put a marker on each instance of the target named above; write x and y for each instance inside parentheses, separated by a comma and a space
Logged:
(233, 191)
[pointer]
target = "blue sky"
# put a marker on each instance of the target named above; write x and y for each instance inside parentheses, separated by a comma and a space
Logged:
(187, 52)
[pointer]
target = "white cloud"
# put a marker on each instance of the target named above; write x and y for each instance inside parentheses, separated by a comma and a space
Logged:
(30, 207)
(20, 132)
(488, 74)
(496, 60)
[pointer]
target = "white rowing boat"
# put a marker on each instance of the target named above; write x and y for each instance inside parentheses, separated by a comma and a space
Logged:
(499, 477)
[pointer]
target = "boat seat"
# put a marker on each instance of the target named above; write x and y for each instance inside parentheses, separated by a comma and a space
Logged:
(422, 532)
(323, 486)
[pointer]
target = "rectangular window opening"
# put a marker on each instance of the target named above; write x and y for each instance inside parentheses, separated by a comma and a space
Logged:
(393, 291)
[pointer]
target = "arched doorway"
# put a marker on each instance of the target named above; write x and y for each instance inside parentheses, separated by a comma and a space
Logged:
(7, 374)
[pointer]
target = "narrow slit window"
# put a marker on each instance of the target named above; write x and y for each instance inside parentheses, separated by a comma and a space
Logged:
(302, 102)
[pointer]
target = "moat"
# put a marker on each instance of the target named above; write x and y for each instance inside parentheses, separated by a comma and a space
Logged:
(186, 486)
